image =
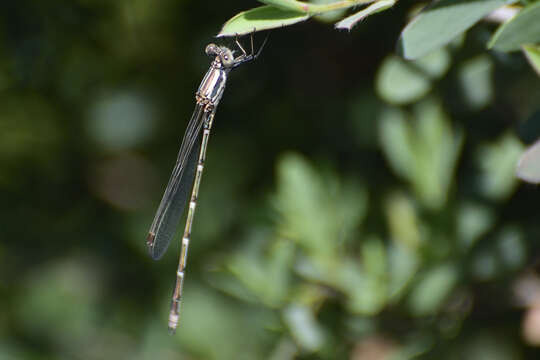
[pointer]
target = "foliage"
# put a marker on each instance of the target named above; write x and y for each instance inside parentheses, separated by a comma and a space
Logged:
(435, 26)
(356, 203)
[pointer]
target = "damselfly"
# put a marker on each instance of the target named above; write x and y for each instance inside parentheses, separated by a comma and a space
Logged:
(189, 165)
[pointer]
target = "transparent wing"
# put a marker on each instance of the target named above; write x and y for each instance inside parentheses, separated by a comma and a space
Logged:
(178, 189)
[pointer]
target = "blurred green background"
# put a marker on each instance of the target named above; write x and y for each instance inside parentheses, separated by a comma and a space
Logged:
(353, 206)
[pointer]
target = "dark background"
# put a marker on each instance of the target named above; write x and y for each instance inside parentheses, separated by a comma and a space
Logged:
(310, 239)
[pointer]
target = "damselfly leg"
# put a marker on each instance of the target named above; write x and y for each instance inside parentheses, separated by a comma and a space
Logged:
(245, 57)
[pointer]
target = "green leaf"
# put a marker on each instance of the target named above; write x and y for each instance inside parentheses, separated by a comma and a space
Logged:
(365, 283)
(293, 5)
(260, 18)
(328, 16)
(374, 8)
(315, 7)
(301, 191)
(472, 221)
(401, 82)
(403, 263)
(423, 150)
(498, 163)
(433, 289)
(533, 55)
(436, 148)
(475, 77)
(366, 292)
(266, 277)
(403, 221)
(528, 168)
(374, 257)
(435, 64)
(524, 28)
(304, 327)
(394, 135)
(441, 22)
(398, 82)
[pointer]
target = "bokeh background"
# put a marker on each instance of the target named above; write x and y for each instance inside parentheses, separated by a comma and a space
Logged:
(353, 206)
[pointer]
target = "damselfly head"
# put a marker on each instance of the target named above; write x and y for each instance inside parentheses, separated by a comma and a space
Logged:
(226, 56)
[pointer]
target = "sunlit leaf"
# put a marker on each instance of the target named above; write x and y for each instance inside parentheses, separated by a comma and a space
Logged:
(498, 163)
(300, 193)
(287, 4)
(522, 29)
(374, 8)
(436, 150)
(328, 16)
(365, 283)
(374, 257)
(371, 297)
(403, 221)
(528, 168)
(533, 55)
(315, 7)
(424, 150)
(304, 327)
(398, 82)
(441, 22)
(475, 76)
(402, 82)
(317, 212)
(395, 138)
(435, 64)
(260, 18)
(403, 264)
(434, 287)
(366, 292)
(267, 277)
(473, 221)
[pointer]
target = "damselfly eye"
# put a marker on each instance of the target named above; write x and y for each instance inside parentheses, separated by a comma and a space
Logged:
(212, 50)
(227, 57)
